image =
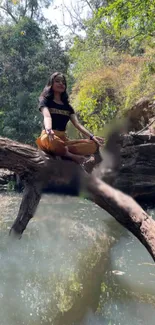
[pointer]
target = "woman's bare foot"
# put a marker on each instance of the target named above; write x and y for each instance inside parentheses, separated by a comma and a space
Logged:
(77, 158)
(82, 159)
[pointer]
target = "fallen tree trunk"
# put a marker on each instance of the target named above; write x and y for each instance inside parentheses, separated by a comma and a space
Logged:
(136, 172)
(37, 169)
(125, 210)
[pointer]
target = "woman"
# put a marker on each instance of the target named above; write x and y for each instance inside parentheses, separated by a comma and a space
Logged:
(56, 110)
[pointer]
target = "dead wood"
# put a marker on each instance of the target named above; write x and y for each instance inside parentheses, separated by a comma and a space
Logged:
(38, 169)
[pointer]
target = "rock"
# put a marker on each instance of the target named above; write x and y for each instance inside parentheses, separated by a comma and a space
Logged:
(5, 177)
(2, 181)
(152, 126)
(137, 173)
(141, 113)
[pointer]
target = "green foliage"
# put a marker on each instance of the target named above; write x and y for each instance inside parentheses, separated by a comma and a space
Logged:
(11, 186)
(84, 58)
(29, 54)
(120, 15)
(108, 92)
(113, 63)
(14, 10)
(96, 100)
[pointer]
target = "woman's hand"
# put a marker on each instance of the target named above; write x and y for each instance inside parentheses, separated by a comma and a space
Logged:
(50, 133)
(100, 141)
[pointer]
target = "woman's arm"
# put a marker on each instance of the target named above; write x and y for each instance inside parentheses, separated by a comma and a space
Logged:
(83, 130)
(80, 127)
(47, 120)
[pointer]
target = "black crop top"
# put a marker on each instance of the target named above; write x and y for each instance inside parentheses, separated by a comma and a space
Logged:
(60, 113)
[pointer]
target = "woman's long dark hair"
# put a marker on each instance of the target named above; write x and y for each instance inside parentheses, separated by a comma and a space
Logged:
(48, 91)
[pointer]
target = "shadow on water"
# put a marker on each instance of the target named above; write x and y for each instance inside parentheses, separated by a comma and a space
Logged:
(75, 265)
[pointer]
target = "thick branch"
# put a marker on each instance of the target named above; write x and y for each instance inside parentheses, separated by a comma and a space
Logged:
(38, 169)
(125, 210)
(31, 197)
(19, 157)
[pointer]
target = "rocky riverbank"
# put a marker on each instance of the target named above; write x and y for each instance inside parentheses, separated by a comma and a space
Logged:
(137, 172)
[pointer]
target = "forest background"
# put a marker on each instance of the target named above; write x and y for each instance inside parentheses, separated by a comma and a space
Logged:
(106, 49)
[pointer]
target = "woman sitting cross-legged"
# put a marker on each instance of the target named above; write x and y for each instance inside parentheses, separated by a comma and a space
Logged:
(55, 107)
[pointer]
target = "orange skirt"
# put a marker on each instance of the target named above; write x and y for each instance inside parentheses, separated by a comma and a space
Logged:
(58, 146)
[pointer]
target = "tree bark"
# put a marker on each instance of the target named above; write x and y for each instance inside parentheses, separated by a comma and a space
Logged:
(125, 210)
(31, 197)
(38, 169)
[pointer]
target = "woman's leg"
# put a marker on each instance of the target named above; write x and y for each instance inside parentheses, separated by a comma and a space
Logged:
(82, 147)
(77, 158)
(57, 147)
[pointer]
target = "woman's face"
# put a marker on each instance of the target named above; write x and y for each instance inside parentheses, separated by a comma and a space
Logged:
(59, 85)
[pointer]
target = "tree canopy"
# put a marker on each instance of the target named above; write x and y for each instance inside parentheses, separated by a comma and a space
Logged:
(108, 58)
(112, 59)
(14, 10)
(30, 52)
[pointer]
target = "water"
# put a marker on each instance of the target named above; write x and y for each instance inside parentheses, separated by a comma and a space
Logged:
(75, 265)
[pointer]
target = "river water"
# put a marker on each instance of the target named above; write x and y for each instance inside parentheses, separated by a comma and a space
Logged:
(74, 265)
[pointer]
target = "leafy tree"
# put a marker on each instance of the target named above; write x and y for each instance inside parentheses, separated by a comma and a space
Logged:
(112, 29)
(29, 54)
(14, 10)
(135, 18)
